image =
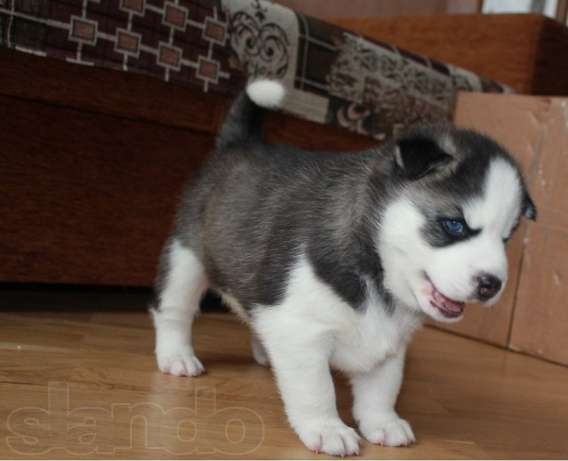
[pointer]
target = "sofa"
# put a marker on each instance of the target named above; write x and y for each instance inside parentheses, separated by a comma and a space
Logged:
(110, 106)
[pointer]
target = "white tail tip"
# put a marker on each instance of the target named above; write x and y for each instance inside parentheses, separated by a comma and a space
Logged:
(266, 93)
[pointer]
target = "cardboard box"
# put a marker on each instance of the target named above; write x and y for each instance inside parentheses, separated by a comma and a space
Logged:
(532, 316)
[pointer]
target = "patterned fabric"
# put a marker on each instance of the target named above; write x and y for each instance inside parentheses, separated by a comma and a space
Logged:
(335, 76)
(332, 75)
(183, 42)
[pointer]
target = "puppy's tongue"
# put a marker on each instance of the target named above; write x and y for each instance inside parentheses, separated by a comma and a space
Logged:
(448, 306)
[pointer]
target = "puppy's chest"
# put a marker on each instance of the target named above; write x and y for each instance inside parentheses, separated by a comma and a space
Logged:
(371, 337)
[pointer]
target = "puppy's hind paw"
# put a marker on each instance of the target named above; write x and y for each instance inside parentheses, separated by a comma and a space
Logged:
(394, 433)
(331, 437)
(180, 363)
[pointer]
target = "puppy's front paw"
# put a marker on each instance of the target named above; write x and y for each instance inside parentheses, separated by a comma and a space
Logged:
(391, 432)
(332, 437)
(180, 362)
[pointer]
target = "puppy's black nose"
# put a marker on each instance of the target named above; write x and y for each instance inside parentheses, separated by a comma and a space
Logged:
(487, 286)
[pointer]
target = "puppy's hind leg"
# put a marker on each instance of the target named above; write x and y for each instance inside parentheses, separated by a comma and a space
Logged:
(183, 283)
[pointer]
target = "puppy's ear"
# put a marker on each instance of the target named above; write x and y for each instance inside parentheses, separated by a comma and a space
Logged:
(529, 208)
(418, 156)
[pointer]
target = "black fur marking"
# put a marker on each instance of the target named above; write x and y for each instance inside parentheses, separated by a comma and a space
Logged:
(418, 156)
(465, 183)
(435, 234)
(348, 270)
(243, 124)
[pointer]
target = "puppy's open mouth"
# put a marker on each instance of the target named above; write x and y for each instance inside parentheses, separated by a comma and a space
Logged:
(448, 307)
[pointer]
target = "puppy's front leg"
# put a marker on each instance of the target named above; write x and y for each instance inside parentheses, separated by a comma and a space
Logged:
(375, 395)
(301, 364)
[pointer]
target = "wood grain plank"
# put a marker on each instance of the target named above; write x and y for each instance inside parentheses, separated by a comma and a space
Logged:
(87, 198)
(551, 75)
(541, 315)
(107, 91)
(99, 364)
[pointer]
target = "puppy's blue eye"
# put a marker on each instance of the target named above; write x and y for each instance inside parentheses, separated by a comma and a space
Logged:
(454, 227)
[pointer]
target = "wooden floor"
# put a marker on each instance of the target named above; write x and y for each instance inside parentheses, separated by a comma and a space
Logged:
(81, 382)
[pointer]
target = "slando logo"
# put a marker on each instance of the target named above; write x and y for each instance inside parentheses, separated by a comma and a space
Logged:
(107, 430)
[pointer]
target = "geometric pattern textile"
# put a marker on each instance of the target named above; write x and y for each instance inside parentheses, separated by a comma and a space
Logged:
(331, 75)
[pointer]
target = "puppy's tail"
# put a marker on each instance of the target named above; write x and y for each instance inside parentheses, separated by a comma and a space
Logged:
(243, 122)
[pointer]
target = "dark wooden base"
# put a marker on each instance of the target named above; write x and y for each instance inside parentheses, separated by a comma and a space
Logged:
(92, 163)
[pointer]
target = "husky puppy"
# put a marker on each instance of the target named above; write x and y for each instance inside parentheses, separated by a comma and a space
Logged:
(334, 259)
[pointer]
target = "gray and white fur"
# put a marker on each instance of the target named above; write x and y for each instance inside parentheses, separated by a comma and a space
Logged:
(334, 259)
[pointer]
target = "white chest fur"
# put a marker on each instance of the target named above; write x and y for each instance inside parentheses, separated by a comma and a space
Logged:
(311, 312)
(372, 336)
